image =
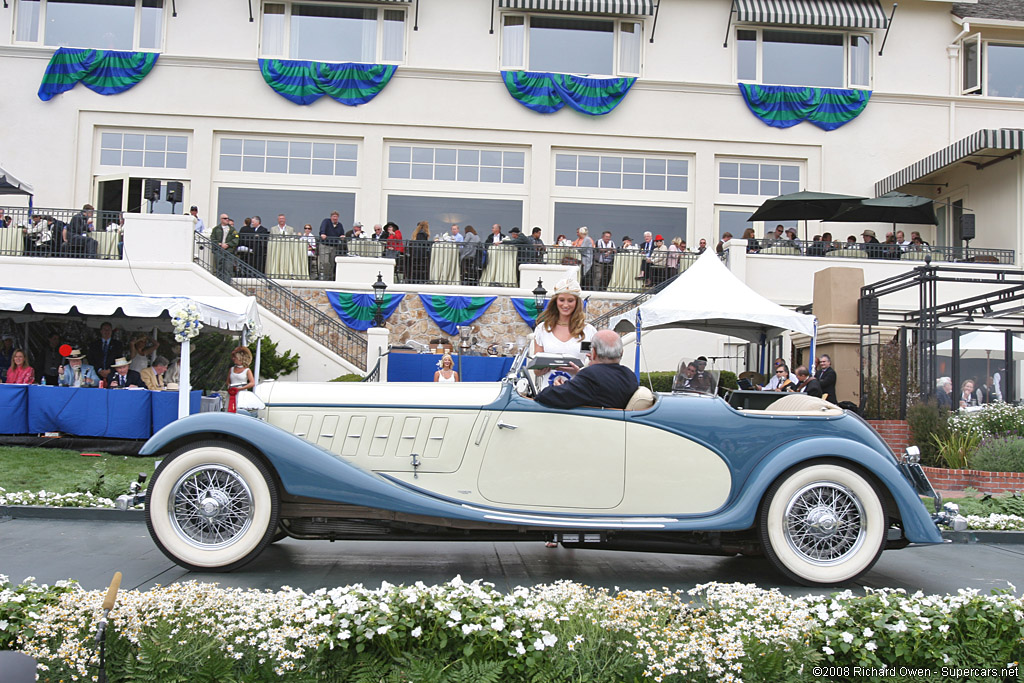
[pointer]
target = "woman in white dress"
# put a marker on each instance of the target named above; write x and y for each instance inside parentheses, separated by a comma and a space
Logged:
(447, 372)
(561, 328)
(141, 351)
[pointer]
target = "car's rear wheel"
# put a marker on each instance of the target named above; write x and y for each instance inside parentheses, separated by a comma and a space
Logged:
(823, 524)
(212, 506)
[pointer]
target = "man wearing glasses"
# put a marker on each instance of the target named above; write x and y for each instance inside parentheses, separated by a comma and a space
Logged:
(225, 237)
(780, 377)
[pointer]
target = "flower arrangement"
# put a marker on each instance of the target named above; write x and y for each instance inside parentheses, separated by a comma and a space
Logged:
(470, 631)
(186, 322)
(76, 499)
(992, 419)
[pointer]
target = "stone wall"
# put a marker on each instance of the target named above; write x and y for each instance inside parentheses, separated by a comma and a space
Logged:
(498, 325)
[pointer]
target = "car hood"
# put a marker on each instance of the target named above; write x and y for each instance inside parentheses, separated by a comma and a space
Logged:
(429, 394)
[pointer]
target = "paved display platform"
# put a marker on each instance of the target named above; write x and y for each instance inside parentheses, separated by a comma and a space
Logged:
(91, 551)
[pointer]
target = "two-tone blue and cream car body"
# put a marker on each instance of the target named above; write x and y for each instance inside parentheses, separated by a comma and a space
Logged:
(812, 487)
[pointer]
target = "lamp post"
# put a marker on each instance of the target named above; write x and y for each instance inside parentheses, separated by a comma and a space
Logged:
(464, 332)
(378, 298)
(539, 293)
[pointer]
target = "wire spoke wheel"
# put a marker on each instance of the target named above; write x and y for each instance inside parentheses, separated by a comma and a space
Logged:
(825, 522)
(211, 506)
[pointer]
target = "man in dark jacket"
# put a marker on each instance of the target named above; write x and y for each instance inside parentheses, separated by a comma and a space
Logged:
(122, 377)
(332, 234)
(603, 384)
(76, 234)
(225, 240)
(826, 376)
(104, 351)
(523, 245)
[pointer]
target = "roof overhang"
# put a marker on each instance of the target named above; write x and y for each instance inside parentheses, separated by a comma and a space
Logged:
(980, 149)
(622, 7)
(813, 13)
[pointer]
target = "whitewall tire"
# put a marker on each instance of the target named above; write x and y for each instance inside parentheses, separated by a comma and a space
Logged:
(823, 524)
(212, 506)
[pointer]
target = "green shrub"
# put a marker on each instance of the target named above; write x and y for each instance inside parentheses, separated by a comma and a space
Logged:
(1000, 454)
(957, 449)
(272, 363)
(727, 380)
(926, 420)
(1004, 504)
(657, 381)
(351, 377)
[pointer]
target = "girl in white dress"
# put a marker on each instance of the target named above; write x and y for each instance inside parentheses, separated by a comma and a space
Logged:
(561, 328)
(241, 380)
(447, 372)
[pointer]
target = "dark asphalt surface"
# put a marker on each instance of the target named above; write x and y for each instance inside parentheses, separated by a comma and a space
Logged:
(91, 551)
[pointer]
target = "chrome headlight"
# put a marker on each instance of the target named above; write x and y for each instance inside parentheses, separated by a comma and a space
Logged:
(912, 455)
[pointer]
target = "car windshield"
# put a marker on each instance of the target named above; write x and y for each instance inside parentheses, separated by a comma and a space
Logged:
(695, 376)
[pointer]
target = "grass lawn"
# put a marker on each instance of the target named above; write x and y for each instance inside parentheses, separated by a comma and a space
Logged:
(62, 471)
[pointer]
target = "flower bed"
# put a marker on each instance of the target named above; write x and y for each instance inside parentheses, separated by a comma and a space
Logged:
(471, 632)
(51, 499)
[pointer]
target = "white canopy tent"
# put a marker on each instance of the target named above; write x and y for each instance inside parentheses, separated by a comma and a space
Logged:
(708, 297)
(231, 314)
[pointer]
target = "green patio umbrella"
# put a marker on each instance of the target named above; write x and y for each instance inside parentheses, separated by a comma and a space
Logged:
(802, 206)
(893, 207)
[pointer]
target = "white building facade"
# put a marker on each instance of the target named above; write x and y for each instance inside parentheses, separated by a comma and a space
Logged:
(681, 154)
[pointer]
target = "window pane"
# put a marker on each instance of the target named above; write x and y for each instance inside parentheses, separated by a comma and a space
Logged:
(333, 34)
(300, 150)
(345, 152)
(277, 148)
(678, 166)
(790, 172)
(177, 143)
(393, 36)
(490, 158)
(156, 143)
(632, 165)
(611, 164)
(971, 48)
(406, 211)
(400, 154)
(728, 186)
(613, 180)
(277, 165)
(154, 159)
(787, 187)
(151, 25)
(230, 146)
(734, 222)
(422, 171)
(323, 150)
(321, 166)
(676, 183)
(632, 181)
(469, 173)
(298, 166)
(28, 21)
(252, 164)
(110, 157)
(301, 206)
(515, 159)
(109, 24)
(424, 155)
(345, 168)
(273, 30)
(770, 171)
(728, 170)
(749, 171)
(580, 46)
(469, 157)
(565, 178)
(630, 42)
(748, 187)
(512, 176)
(1006, 70)
(230, 163)
(444, 156)
(255, 147)
(860, 61)
(654, 182)
(132, 157)
(513, 41)
(770, 187)
(110, 140)
(655, 166)
(800, 58)
(587, 179)
(589, 163)
(620, 219)
(489, 174)
(399, 170)
(444, 172)
(134, 141)
(176, 160)
(746, 55)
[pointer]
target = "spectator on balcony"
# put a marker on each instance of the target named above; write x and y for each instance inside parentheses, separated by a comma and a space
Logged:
(890, 249)
(282, 227)
(456, 235)
(247, 242)
(259, 259)
(604, 260)
(197, 222)
(496, 236)
(378, 233)
(471, 258)
(523, 246)
(585, 244)
(702, 246)
(310, 239)
(20, 372)
(78, 374)
(915, 238)
(395, 246)
(657, 263)
(753, 246)
(225, 238)
(76, 234)
(356, 233)
(871, 245)
(123, 376)
(902, 241)
(39, 236)
(536, 254)
(627, 244)
(720, 247)
(331, 234)
(104, 350)
(419, 253)
(675, 252)
(153, 377)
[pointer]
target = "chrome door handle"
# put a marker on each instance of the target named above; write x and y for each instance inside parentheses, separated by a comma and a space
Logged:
(502, 425)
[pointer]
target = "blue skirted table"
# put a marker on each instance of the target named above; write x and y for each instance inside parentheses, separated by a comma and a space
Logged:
(420, 367)
(113, 413)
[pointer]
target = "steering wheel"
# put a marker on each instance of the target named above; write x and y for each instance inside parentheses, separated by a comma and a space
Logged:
(524, 384)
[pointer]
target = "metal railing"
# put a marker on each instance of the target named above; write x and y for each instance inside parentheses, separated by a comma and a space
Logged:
(44, 233)
(884, 251)
(289, 306)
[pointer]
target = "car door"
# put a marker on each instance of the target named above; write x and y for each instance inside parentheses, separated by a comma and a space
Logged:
(538, 457)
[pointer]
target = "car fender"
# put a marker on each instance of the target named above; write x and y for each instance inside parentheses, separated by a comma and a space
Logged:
(918, 526)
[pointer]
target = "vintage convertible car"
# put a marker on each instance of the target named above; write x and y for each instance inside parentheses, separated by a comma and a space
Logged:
(812, 487)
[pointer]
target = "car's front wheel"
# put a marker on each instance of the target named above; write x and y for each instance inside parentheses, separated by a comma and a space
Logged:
(212, 506)
(823, 524)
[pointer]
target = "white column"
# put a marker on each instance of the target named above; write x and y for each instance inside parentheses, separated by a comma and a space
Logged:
(259, 349)
(376, 347)
(184, 385)
(737, 258)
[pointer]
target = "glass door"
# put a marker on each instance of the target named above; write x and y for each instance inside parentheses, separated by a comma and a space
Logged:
(129, 194)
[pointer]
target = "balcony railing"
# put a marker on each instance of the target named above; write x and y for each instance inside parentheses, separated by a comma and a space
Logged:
(45, 234)
(883, 251)
(287, 305)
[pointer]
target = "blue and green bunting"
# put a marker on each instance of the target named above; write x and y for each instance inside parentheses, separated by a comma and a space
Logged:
(107, 72)
(305, 82)
(782, 106)
(546, 93)
(527, 310)
(357, 310)
(449, 312)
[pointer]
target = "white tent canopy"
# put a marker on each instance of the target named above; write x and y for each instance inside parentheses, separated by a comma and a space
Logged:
(228, 313)
(708, 297)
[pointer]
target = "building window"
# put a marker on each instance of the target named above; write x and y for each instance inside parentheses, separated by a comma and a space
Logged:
(735, 221)
(442, 212)
(620, 219)
(333, 33)
(298, 206)
(815, 58)
(621, 172)
(143, 150)
(757, 179)
(992, 68)
(292, 157)
(599, 47)
(101, 24)
(456, 164)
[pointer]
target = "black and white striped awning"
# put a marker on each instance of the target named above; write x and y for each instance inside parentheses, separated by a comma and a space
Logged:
(831, 13)
(978, 149)
(632, 7)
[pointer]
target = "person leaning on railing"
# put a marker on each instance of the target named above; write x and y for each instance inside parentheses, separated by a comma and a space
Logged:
(471, 257)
